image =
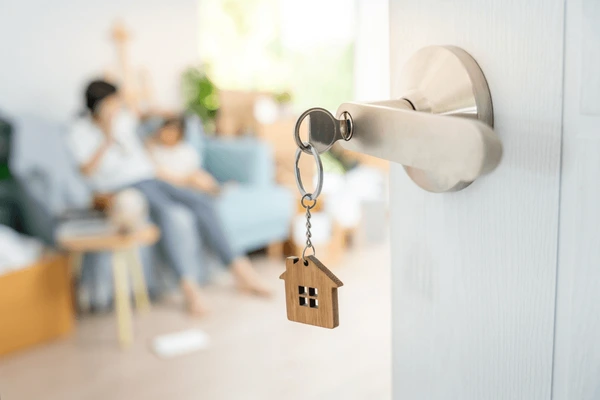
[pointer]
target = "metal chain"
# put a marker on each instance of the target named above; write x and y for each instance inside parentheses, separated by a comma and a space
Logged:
(309, 244)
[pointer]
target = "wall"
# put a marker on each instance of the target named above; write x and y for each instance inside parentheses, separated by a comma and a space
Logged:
(49, 49)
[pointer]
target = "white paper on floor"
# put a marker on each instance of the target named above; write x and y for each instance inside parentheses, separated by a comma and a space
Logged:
(179, 343)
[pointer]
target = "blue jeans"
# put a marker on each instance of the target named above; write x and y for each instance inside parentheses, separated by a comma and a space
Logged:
(162, 197)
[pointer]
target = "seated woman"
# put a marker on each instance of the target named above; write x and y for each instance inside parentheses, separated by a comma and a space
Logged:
(112, 158)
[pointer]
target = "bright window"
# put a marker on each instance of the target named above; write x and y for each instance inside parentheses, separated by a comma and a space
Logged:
(304, 47)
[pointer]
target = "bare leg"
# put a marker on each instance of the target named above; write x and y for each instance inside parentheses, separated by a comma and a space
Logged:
(247, 278)
(203, 207)
(194, 301)
(164, 213)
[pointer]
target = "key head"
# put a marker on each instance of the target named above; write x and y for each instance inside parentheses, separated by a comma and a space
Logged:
(323, 130)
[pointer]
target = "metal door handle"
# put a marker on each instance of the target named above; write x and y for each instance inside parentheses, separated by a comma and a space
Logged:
(440, 130)
(454, 149)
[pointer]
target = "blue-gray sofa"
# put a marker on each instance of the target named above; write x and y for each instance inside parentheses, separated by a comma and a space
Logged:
(255, 211)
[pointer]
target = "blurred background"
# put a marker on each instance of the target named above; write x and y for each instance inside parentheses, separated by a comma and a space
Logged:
(240, 72)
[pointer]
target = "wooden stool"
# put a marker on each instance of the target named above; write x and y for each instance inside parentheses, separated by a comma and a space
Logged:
(125, 256)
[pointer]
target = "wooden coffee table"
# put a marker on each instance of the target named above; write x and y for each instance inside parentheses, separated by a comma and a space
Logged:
(125, 258)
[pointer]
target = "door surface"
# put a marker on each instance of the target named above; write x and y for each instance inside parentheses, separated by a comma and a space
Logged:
(577, 333)
(474, 273)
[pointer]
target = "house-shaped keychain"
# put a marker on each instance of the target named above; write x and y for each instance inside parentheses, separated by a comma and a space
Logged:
(311, 292)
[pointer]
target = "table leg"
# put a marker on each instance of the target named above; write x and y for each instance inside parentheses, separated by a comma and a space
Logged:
(81, 301)
(140, 289)
(75, 259)
(122, 304)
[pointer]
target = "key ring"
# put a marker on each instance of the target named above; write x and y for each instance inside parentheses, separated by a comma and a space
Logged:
(319, 185)
(314, 253)
(307, 196)
(302, 146)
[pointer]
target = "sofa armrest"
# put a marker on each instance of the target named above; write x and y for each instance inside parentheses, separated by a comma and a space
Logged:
(247, 161)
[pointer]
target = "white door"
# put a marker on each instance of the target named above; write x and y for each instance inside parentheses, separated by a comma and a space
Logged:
(496, 288)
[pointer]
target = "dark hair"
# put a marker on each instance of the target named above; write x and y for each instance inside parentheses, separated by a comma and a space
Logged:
(97, 91)
(177, 122)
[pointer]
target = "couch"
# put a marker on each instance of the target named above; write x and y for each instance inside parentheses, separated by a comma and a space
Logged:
(255, 211)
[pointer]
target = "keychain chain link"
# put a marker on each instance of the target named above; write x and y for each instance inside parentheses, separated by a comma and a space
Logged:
(308, 207)
(308, 226)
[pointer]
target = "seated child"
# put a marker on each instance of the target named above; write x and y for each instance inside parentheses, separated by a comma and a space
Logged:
(177, 161)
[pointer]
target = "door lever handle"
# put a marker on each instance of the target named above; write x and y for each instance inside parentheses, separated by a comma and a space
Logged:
(453, 150)
(440, 130)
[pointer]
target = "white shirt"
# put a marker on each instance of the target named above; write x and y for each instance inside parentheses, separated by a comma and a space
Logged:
(124, 163)
(180, 160)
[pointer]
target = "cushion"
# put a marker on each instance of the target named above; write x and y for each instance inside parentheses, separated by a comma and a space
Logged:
(256, 216)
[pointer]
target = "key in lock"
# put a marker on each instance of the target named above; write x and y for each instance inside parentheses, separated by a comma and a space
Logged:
(323, 129)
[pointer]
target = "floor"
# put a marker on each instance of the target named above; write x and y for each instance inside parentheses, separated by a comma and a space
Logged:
(255, 352)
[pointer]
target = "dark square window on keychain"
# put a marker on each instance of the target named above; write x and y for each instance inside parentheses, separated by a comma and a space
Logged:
(308, 295)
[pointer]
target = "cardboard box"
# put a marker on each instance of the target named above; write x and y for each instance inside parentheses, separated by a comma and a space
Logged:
(35, 304)
(236, 112)
(279, 135)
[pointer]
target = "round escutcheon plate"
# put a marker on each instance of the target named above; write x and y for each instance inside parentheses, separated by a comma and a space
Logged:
(445, 80)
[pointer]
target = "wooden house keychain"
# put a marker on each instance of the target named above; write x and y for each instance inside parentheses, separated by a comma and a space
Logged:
(310, 287)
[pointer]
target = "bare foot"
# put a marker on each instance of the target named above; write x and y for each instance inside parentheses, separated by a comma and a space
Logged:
(247, 279)
(194, 301)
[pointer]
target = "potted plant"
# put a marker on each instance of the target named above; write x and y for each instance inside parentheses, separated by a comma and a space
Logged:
(201, 96)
